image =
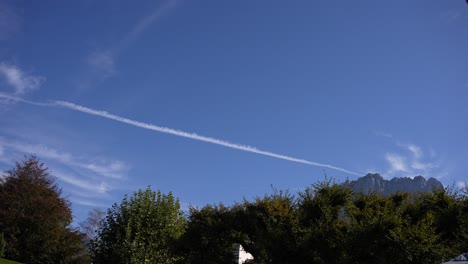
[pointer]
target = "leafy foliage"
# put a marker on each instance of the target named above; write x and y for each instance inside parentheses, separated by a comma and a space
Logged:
(209, 237)
(140, 230)
(35, 219)
(329, 223)
(326, 223)
(268, 228)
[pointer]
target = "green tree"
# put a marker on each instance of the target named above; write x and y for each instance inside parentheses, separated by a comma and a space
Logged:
(268, 228)
(448, 209)
(329, 223)
(140, 230)
(394, 225)
(35, 219)
(322, 214)
(209, 237)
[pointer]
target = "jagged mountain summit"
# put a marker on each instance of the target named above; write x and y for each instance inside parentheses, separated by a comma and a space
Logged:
(374, 182)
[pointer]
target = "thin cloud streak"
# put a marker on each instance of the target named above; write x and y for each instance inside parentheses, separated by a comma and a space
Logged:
(108, 169)
(10, 21)
(100, 188)
(9, 98)
(104, 62)
(88, 203)
(143, 24)
(95, 180)
(179, 133)
(194, 136)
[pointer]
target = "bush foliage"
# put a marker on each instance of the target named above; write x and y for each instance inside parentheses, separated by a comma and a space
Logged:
(325, 223)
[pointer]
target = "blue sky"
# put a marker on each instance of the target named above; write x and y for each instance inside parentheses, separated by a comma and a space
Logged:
(220, 100)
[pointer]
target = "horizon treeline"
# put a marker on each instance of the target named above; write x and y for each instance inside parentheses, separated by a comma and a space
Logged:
(325, 223)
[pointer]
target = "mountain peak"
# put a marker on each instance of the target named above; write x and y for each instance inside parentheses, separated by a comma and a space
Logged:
(374, 182)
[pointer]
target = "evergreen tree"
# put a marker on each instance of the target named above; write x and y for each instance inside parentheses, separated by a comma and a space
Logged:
(35, 219)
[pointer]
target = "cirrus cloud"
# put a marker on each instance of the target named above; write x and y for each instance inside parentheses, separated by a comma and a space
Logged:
(92, 179)
(19, 80)
(411, 160)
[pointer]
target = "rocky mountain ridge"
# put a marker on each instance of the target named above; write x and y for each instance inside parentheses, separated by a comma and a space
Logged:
(374, 182)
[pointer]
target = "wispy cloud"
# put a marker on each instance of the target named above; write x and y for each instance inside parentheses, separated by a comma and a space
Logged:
(95, 187)
(180, 133)
(144, 24)
(10, 21)
(20, 81)
(417, 159)
(417, 152)
(104, 62)
(91, 178)
(451, 15)
(397, 163)
(411, 160)
(112, 169)
(417, 165)
(382, 134)
(89, 203)
(108, 169)
(7, 98)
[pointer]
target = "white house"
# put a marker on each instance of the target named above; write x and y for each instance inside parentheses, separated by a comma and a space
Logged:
(240, 254)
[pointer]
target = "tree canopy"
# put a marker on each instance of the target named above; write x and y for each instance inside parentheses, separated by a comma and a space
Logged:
(140, 230)
(329, 223)
(34, 217)
(325, 223)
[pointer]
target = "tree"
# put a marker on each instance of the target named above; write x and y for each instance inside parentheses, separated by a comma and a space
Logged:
(35, 219)
(324, 224)
(383, 226)
(209, 237)
(448, 209)
(268, 228)
(92, 224)
(329, 223)
(140, 230)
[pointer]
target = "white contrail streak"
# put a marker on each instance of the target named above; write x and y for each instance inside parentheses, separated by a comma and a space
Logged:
(194, 136)
(19, 99)
(175, 132)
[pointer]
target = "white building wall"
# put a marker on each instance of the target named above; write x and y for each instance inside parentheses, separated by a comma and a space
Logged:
(243, 255)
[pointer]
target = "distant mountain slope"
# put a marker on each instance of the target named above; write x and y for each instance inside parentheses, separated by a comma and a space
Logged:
(376, 183)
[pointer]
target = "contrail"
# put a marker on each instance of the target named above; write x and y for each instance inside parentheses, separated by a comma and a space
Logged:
(193, 136)
(179, 133)
(19, 99)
